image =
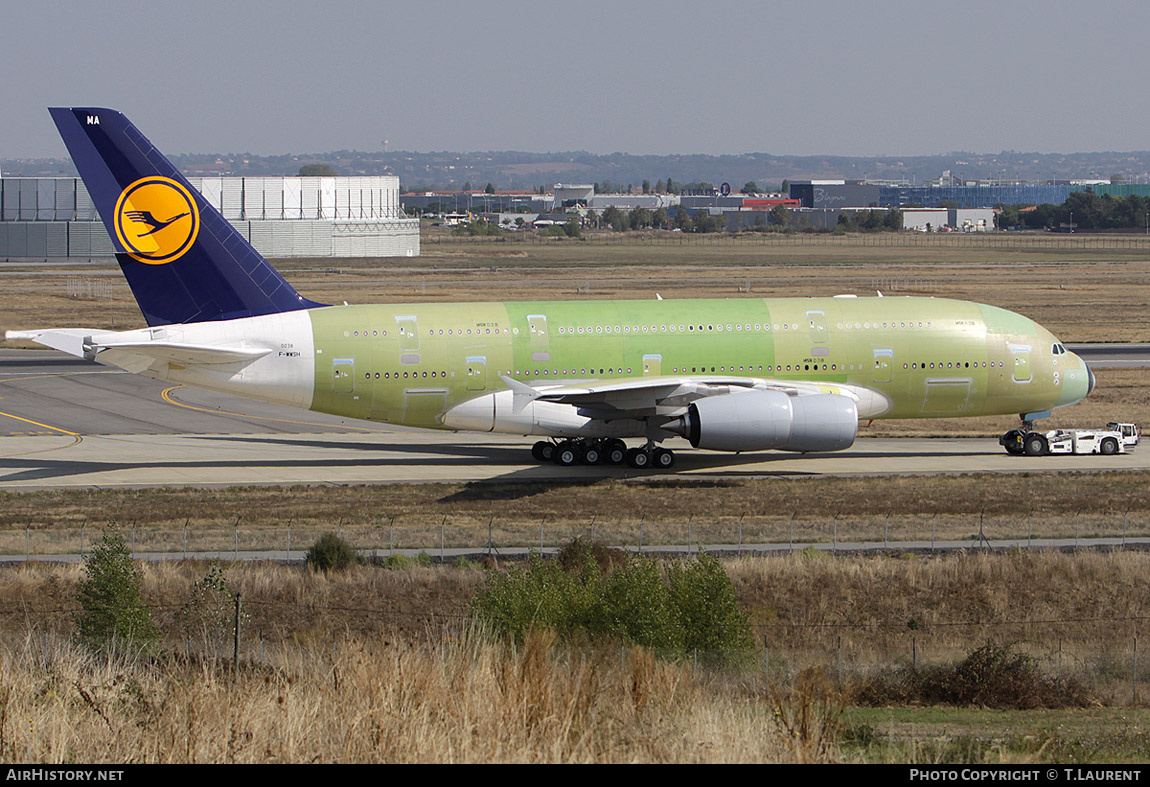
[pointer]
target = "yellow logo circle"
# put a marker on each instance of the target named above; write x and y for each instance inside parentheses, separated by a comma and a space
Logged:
(156, 220)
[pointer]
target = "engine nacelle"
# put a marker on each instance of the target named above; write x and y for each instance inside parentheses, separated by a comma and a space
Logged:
(766, 420)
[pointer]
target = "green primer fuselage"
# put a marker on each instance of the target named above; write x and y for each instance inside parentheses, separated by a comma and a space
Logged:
(410, 363)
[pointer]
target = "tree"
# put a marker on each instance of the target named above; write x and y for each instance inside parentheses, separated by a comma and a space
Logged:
(646, 187)
(615, 218)
(489, 189)
(112, 609)
(639, 218)
(780, 215)
(750, 187)
(317, 171)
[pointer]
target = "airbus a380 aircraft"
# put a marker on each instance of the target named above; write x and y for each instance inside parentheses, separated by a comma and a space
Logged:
(794, 374)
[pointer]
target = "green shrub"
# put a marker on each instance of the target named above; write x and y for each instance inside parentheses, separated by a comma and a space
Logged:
(708, 612)
(679, 608)
(112, 610)
(331, 553)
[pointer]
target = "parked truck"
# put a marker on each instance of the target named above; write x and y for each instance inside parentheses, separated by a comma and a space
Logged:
(1116, 438)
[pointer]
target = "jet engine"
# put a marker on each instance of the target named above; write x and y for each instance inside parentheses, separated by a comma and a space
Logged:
(765, 420)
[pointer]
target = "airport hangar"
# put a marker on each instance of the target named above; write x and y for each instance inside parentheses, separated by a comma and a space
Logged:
(52, 218)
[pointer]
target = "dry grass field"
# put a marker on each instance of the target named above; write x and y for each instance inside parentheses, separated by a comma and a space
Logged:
(372, 665)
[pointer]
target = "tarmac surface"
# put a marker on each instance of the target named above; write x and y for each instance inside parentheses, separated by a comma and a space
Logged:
(65, 422)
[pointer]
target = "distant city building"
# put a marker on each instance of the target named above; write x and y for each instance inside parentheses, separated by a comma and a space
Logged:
(980, 196)
(475, 202)
(834, 194)
(279, 216)
(924, 219)
(569, 195)
(970, 219)
(631, 201)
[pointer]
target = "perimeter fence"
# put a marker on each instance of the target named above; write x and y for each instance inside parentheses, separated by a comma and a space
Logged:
(444, 538)
(950, 240)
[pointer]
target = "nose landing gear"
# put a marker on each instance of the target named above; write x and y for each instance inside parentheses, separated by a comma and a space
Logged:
(1025, 441)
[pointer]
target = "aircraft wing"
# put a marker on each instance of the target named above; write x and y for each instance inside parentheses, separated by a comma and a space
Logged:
(638, 397)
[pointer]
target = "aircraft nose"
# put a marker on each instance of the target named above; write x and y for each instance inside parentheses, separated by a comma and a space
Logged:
(1077, 382)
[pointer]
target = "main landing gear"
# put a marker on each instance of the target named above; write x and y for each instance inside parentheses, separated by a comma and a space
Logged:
(1025, 441)
(611, 451)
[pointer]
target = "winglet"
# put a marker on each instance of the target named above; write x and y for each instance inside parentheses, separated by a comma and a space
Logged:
(522, 394)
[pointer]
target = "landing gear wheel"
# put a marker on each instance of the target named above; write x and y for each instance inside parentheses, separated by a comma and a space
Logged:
(638, 458)
(614, 452)
(663, 458)
(1034, 444)
(567, 453)
(543, 451)
(592, 454)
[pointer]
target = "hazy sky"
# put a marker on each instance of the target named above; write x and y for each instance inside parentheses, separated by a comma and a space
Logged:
(796, 77)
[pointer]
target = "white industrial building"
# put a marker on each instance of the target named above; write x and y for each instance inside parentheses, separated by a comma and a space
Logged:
(44, 218)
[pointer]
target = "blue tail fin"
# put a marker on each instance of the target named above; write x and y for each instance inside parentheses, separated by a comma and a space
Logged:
(183, 260)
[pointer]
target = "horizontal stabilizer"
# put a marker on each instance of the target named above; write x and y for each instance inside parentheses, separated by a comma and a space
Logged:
(90, 344)
(184, 354)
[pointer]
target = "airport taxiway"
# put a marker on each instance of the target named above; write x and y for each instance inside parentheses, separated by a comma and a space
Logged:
(69, 423)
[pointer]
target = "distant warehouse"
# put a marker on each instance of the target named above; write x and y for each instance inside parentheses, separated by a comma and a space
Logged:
(42, 218)
(837, 194)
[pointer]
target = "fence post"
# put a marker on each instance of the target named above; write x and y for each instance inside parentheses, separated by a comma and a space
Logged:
(1135, 669)
(236, 639)
(186, 537)
(840, 646)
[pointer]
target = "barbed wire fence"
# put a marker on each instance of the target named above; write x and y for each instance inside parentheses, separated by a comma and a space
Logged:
(445, 538)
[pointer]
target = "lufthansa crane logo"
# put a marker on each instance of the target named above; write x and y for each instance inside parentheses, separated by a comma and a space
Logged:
(156, 220)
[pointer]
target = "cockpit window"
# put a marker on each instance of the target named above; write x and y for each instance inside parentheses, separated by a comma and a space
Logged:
(1058, 349)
